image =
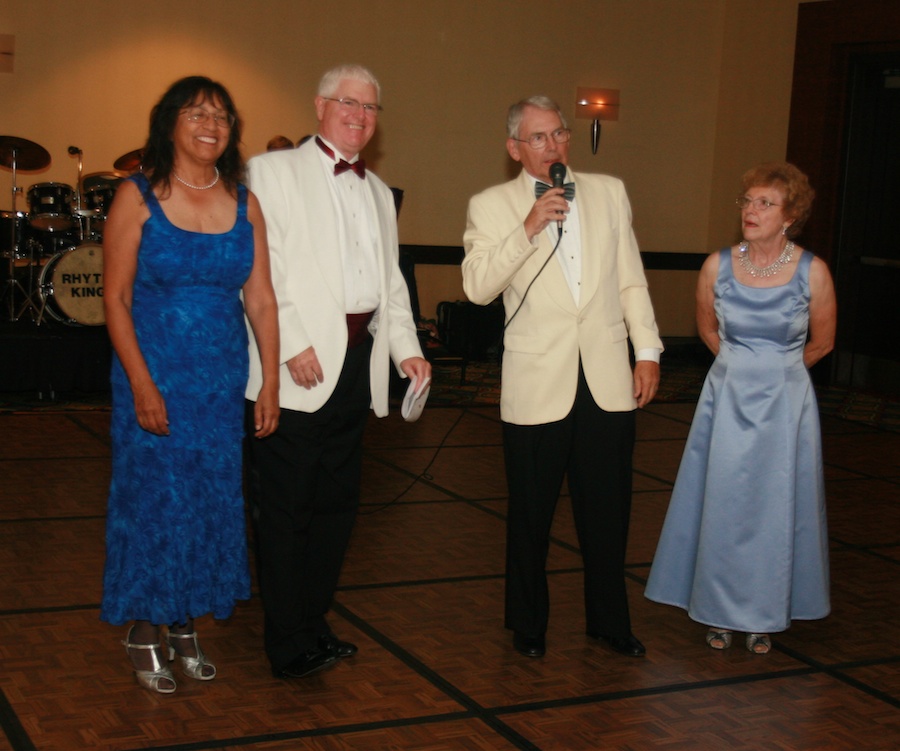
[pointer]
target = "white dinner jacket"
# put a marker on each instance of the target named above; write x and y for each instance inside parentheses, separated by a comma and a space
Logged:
(544, 342)
(302, 227)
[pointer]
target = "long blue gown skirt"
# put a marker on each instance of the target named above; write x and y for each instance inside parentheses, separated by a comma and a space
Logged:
(175, 535)
(745, 544)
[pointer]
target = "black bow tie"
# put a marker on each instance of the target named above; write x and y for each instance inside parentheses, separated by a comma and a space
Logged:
(341, 166)
(541, 188)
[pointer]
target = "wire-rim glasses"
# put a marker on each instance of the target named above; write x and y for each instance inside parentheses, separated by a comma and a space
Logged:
(540, 140)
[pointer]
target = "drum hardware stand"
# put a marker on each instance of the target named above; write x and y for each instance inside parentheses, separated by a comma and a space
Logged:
(18, 153)
(41, 311)
(84, 227)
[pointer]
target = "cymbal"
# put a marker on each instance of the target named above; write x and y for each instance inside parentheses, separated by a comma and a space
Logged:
(28, 154)
(107, 177)
(130, 162)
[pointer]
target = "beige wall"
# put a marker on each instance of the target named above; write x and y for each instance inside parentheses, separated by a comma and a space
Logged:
(705, 91)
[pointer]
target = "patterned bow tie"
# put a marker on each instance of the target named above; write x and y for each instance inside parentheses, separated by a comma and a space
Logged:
(541, 188)
(358, 167)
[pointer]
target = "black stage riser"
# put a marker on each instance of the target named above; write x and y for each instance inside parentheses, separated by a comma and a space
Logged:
(53, 358)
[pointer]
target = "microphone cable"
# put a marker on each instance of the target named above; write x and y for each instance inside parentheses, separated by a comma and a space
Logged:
(540, 270)
(423, 475)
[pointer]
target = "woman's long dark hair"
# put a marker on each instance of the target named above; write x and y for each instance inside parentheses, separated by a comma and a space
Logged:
(159, 152)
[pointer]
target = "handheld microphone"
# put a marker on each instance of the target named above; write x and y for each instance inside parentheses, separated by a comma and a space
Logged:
(74, 150)
(558, 176)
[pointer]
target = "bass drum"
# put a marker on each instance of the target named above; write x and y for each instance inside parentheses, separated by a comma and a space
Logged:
(71, 286)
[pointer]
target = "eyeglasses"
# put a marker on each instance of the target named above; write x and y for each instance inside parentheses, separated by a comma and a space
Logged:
(200, 115)
(760, 204)
(351, 106)
(540, 140)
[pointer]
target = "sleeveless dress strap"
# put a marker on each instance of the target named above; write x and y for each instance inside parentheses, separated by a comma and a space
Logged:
(242, 201)
(143, 184)
(803, 264)
(725, 270)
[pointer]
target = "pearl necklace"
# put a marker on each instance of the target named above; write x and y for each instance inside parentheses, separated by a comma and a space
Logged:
(198, 187)
(766, 271)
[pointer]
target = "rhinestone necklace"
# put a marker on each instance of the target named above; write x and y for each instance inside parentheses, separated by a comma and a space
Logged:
(198, 187)
(766, 271)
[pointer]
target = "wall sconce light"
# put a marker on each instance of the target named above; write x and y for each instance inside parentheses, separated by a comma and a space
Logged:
(596, 105)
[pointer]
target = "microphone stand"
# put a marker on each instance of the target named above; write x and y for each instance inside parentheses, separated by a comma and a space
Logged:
(83, 217)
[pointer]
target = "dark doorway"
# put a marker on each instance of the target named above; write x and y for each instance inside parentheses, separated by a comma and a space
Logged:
(867, 262)
(844, 133)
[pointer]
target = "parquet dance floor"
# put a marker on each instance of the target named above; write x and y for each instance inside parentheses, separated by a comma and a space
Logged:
(421, 593)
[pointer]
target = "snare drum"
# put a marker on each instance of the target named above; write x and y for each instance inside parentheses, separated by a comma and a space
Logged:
(71, 286)
(13, 234)
(50, 206)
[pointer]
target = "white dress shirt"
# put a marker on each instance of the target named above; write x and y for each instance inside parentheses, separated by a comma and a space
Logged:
(569, 256)
(358, 237)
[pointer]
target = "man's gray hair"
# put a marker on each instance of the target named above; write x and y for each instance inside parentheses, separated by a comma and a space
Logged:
(517, 112)
(328, 86)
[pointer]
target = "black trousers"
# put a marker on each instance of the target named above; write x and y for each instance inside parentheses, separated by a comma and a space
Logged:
(593, 448)
(304, 485)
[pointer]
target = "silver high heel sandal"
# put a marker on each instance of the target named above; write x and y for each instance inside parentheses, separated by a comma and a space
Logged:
(193, 666)
(759, 644)
(150, 679)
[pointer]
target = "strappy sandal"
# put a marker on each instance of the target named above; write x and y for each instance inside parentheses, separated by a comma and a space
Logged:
(197, 667)
(759, 644)
(150, 679)
(718, 638)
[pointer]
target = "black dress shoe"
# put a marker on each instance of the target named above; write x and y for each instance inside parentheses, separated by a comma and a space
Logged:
(339, 647)
(528, 645)
(311, 661)
(624, 645)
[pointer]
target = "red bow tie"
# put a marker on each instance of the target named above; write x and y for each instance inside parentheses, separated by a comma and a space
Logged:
(359, 166)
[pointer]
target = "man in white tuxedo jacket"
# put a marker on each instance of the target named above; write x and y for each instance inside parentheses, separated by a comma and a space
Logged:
(568, 390)
(344, 314)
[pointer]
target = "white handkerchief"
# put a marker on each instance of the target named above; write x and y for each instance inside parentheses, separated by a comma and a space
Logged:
(414, 401)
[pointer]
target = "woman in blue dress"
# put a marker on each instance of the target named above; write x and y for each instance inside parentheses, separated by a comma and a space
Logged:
(744, 546)
(184, 241)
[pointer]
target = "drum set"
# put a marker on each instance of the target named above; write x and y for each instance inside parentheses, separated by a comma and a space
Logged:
(53, 253)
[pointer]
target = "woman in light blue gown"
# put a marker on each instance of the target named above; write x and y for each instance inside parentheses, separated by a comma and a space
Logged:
(744, 546)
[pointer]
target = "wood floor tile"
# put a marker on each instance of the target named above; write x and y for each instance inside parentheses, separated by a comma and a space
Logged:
(449, 735)
(884, 678)
(864, 512)
(648, 512)
(467, 471)
(658, 459)
(54, 487)
(456, 426)
(681, 411)
(430, 541)
(69, 682)
(49, 564)
(865, 613)
(832, 426)
(791, 714)
(49, 436)
(422, 595)
(648, 482)
(876, 452)
(652, 426)
(457, 630)
(392, 475)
